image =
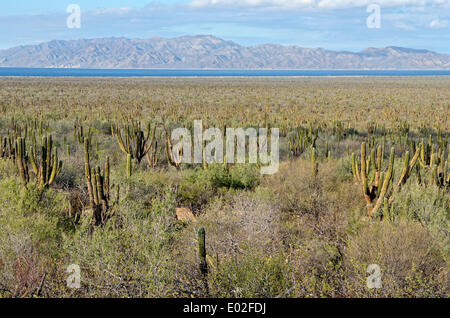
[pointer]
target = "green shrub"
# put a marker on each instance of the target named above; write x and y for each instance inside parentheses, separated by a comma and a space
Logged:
(251, 275)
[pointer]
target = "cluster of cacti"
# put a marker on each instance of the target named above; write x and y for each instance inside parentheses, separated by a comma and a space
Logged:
(403, 127)
(7, 149)
(133, 140)
(442, 176)
(300, 120)
(79, 133)
(153, 155)
(302, 139)
(99, 189)
(45, 167)
(22, 160)
(376, 187)
(28, 128)
(49, 166)
(432, 158)
(339, 130)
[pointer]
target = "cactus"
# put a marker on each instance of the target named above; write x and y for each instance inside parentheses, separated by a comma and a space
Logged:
(202, 251)
(355, 169)
(386, 184)
(373, 195)
(129, 168)
(133, 141)
(154, 154)
(22, 160)
(97, 182)
(49, 166)
(314, 163)
(301, 139)
(79, 132)
(408, 167)
(7, 148)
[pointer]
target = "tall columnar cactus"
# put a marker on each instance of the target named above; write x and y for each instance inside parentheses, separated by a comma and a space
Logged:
(49, 166)
(355, 169)
(432, 158)
(314, 163)
(372, 194)
(154, 153)
(2, 147)
(79, 133)
(22, 160)
(431, 154)
(202, 251)
(301, 139)
(129, 166)
(134, 141)
(97, 182)
(408, 166)
(7, 148)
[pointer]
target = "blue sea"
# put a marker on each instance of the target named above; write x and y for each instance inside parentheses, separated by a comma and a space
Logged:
(78, 72)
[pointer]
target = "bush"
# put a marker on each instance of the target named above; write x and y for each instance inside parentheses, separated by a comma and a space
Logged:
(239, 176)
(410, 261)
(251, 275)
(427, 205)
(129, 257)
(32, 226)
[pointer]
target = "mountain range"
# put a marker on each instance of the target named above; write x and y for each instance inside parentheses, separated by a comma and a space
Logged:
(209, 52)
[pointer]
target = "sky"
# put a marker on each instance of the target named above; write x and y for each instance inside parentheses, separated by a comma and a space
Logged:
(329, 24)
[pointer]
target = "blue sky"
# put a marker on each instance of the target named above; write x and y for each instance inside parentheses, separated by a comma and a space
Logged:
(330, 24)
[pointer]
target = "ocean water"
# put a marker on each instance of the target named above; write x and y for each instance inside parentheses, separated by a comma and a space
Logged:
(77, 72)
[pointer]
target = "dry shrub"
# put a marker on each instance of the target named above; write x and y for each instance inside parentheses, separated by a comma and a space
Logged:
(298, 190)
(245, 221)
(314, 206)
(410, 260)
(234, 228)
(22, 268)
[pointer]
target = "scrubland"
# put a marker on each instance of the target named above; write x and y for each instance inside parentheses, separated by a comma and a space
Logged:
(363, 179)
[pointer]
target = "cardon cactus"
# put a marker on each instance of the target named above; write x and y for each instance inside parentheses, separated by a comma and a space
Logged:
(314, 163)
(49, 166)
(98, 186)
(134, 141)
(301, 139)
(202, 250)
(372, 194)
(22, 160)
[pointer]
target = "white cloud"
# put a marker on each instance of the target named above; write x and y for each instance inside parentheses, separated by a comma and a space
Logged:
(438, 24)
(404, 26)
(118, 11)
(321, 4)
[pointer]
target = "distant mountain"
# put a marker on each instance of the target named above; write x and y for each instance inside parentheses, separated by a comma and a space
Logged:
(209, 52)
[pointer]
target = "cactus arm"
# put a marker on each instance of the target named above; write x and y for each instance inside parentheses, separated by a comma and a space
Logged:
(202, 250)
(387, 181)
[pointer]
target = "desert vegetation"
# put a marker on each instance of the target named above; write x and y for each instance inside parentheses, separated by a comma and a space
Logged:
(88, 177)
